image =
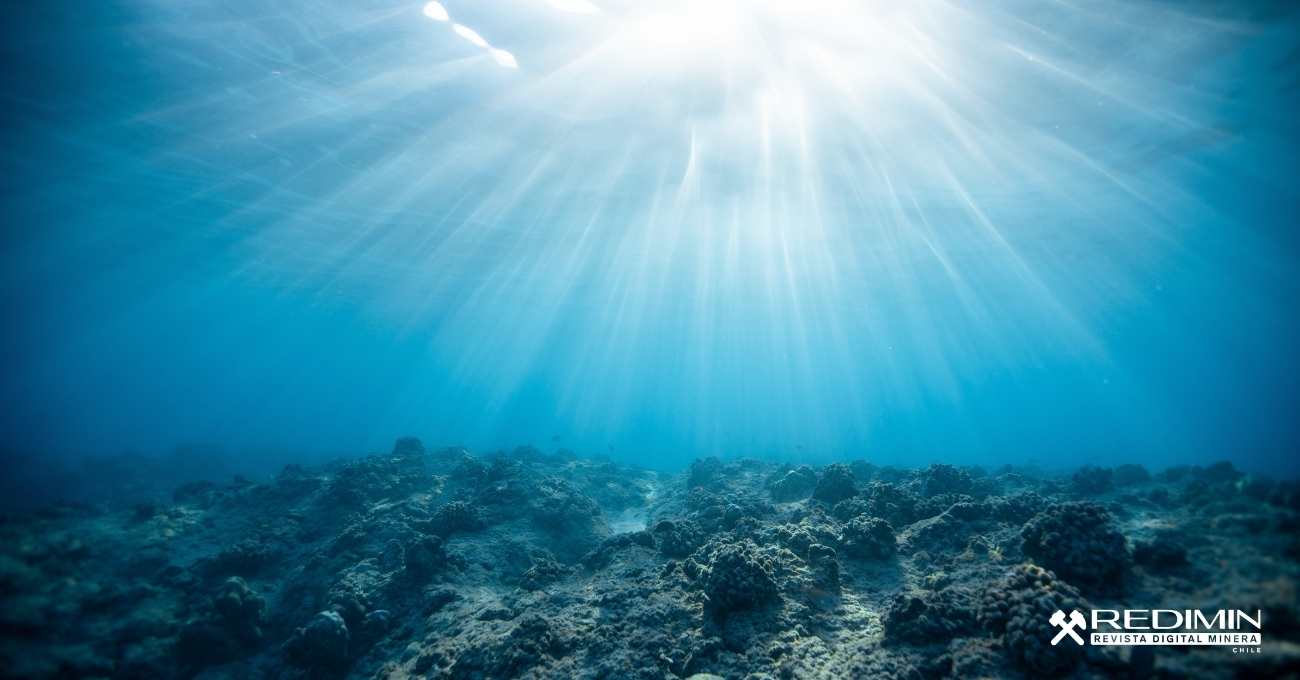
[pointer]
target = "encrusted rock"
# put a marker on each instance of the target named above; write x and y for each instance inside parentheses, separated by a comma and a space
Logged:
(240, 609)
(794, 485)
(738, 578)
(1165, 551)
(835, 484)
(321, 645)
(940, 479)
(1080, 543)
(1020, 607)
(424, 556)
(1091, 480)
(926, 618)
(1130, 474)
(704, 472)
(866, 537)
(825, 567)
(455, 517)
(677, 537)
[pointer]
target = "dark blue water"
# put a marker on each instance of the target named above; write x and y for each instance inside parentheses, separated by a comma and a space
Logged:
(909, 232)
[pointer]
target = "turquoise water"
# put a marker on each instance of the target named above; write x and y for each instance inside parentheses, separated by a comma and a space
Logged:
(970, 232)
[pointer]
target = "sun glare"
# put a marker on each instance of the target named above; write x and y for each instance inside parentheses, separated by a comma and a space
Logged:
(436, 12)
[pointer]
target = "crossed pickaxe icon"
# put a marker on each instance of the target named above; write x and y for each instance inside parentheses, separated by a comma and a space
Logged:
(1067, 626)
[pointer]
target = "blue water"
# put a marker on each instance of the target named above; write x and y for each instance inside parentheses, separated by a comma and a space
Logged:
(971, 232)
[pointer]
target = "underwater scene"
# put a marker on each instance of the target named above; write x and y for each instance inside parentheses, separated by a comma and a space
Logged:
(650, 339)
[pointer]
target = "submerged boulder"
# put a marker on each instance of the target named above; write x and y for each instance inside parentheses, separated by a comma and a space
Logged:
(321, 645)
(825, 567)
(455, 517)
(705, 473)
(423, 557)
(836, 484)
(240, 609)
(928, 618)
(940, 479)
(1020, 608)
(866, 537)
(677, 537)
(882, 499)
(794, 485)
(1078, 541)
(1091, 480)
(1165, 551)
(408, 448)
(738, 578)
(1130, 474)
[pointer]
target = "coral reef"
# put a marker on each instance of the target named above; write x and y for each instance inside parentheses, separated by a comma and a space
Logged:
(443, 563)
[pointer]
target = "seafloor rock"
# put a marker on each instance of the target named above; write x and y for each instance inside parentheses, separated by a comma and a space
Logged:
(810, 530)
(241, 610)
(825, 567)
(882, 499)
(543, 573)
(245, 558)
(869, 538)
(1165, 551)
(940, 479)
(964, 525)
(423, 557)
(609, 549)
(568, 514)
(738, 578)
(409, 449)
(794, 485)
(1016, 508)
(531, 641)
(678, 537)
(1091, 480)
(1130, 474)
(321, 645)
(455, 517)
(1078, 541)
(727, 513)
(930, 617)
(1020, 607)
(704, 472)
(411, 564)
(203, 643)
(835, 484)
(971, 657)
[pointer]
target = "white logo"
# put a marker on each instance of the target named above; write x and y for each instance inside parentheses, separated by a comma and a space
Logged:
(1235, 628)
(1067, 626)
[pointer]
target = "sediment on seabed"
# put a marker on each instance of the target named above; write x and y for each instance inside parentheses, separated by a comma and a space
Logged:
(529, 564)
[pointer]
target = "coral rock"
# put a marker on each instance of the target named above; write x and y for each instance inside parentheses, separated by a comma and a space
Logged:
(320, 645)
(738, 578)
(1080, 543)
(835, 484)
(868, 538)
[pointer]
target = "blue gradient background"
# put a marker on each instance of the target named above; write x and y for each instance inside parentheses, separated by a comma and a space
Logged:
(307, 228)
